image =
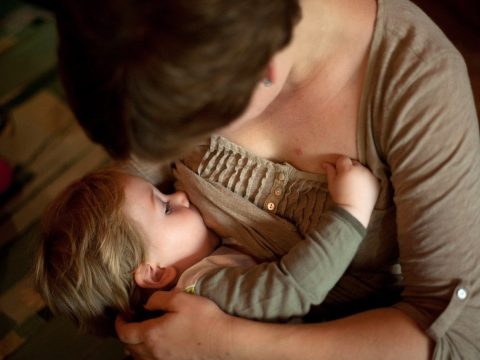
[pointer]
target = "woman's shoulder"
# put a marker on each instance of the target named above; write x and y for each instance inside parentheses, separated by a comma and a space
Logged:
(416, 82)
(403, 26)
(410, 58)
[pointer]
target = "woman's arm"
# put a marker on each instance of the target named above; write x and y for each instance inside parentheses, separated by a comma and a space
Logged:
(428, 136)
(377, 334)
(195, 328)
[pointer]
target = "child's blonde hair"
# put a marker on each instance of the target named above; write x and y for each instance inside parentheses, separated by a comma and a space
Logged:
(88, 252)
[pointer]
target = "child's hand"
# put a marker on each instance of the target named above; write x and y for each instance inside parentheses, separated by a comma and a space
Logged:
(353, 187)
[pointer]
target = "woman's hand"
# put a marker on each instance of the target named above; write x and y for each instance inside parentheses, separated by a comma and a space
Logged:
(192, 327)
(195, 328)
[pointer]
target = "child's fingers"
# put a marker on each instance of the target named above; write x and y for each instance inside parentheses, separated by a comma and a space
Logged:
(343, 163)
(331, 172)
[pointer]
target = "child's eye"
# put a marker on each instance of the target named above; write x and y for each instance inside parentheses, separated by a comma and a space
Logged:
(168, 210)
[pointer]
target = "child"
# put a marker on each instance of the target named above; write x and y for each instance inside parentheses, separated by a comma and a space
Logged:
(110, 239)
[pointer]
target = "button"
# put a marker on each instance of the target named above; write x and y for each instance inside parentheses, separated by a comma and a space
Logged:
(462, 294)
(271, 206)
(281, 176)
(278, 191)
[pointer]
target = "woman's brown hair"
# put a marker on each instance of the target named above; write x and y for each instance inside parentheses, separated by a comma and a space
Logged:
(152, 76)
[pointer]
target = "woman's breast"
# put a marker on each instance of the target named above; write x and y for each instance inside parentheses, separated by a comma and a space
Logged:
(277, 188)
(297, 196)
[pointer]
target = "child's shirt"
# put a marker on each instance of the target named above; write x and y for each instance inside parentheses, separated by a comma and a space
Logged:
(222, 257)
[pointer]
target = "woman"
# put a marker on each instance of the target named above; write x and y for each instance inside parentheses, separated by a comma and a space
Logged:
(373, 80)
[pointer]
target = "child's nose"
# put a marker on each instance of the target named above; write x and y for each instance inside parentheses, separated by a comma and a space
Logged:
(180, 198)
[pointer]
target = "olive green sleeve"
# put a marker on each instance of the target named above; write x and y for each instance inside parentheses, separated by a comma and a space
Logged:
(301, 278)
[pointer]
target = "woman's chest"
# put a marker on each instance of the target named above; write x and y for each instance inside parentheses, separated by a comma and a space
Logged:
(283, 191)
(304, 131)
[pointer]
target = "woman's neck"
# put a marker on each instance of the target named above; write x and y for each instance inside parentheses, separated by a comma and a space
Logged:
(320, 79)
(312, 42)
(323, 40)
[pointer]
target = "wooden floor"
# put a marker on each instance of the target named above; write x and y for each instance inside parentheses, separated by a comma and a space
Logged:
(43, 137)
(46, 141)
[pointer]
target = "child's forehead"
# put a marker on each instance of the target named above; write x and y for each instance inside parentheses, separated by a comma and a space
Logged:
(132, 180)
(139, 184)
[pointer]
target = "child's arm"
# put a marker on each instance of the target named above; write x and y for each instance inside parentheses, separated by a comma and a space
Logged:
(305, 275)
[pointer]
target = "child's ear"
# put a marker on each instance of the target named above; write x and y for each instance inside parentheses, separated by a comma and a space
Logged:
(154, 277)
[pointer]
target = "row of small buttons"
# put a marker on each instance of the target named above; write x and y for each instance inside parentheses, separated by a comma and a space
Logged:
(278, 186)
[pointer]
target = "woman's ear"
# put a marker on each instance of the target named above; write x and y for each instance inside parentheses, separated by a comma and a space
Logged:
(154, 277)
(268, 78)
(271, 71)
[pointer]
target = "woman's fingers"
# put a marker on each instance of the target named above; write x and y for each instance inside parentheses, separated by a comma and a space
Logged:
(167, 301)
(183, 322)
(139, 352)
(128, 333)
(132, 332)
